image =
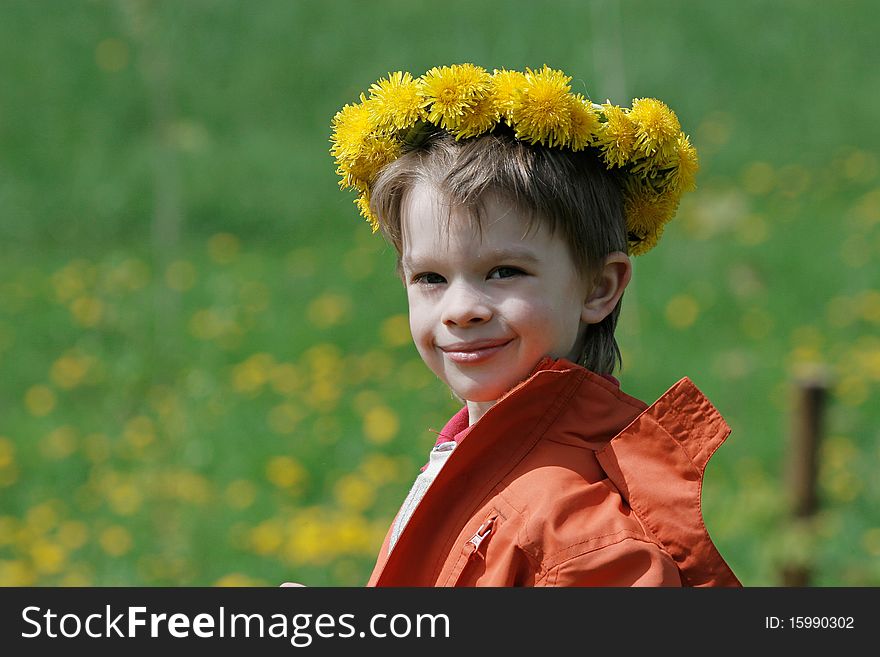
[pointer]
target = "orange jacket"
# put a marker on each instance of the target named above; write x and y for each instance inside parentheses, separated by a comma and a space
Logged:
(567, 481)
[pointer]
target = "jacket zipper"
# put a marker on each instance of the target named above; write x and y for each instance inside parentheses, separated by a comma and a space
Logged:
(473, 543)
(471, 549)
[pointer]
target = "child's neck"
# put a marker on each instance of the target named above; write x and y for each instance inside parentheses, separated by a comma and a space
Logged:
(476, 410)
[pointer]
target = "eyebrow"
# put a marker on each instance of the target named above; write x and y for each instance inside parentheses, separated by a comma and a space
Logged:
(524, 255)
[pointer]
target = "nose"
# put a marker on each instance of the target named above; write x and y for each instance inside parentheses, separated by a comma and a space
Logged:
(463, 305)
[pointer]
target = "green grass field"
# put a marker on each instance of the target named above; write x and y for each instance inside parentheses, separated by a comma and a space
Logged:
(207, 377)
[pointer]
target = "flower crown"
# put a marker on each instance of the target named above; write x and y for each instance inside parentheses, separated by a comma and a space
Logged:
(645, 142)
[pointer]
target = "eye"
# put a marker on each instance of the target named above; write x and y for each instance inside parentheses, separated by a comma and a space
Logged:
(505, 272)
(428, 278)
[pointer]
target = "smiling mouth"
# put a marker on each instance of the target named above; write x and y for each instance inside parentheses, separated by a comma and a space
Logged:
(474, 352)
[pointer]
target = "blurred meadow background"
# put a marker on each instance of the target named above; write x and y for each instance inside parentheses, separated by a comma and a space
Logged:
(206, 376)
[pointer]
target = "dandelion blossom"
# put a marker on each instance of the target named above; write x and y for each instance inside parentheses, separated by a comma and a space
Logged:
(617, 136)
(363, 205)
(449, 91)
(351, 125)
(584, 123)
(396, 103)
(657, 127)
(685, 175)
(507, 87)
(482, 117)
(542, 113)
(646, 215)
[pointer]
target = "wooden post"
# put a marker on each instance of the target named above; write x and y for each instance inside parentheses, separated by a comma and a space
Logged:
(811, 392)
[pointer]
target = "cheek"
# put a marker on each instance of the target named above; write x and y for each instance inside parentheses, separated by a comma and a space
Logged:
(419, 321)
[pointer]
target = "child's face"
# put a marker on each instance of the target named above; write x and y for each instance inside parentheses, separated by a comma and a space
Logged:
(485, 307)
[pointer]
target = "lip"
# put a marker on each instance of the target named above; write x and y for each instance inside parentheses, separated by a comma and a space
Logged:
(474, 352)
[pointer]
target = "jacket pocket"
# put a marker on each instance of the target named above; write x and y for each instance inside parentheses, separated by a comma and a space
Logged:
(472, 560)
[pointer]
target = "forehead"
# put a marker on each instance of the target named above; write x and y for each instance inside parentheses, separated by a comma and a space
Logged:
(432, 227)
(429, 215)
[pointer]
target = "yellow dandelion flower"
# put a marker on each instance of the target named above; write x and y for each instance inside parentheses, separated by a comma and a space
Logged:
(617, 136)
(351, 126)
(363, 204)
(685, 174)
(584, 122)
(646, 216)
(542, 113)
(396, 103)
(451, 90)
(479, 118)
(376, 151)
(657, 127)
(507, 87)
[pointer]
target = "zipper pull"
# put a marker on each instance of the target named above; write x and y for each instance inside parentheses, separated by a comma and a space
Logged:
(481, 534)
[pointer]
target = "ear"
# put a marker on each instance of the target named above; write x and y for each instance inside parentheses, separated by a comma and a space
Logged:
(607, 288)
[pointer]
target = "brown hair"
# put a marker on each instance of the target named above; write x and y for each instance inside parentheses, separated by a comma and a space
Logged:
(571, 193)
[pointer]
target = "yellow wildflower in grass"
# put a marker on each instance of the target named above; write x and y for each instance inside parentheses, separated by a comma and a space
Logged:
(112, 54)
(249, 376)
(617, 136)
(354, 493)
(59, 443)
(584, 123)
(7, 452)
(285, 379)
(238, 580)
(125, 499)
(223, 248)
(507, 87)
(70, 370)
(329, 310)
(115, 541)
(396, 102)
(450, 91)
(267, 537)
(380, 425)
(139, 431)
(9, 527)
(871, 541)
(309, 542)
(43, 517)
(87, 311)
(285, 472)
(657, 127)
(682, 311)
(16, 573)
(8, 475)
(181, 484)
(48, 558)
(395, 331)
(73, 534)
(380, 469)
(77, 576)
(542, 113)
(352, 535)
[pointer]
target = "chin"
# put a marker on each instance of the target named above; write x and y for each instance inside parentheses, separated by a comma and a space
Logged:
(481, 394)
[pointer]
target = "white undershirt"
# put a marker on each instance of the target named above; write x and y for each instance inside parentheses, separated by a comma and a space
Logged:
(436, 460)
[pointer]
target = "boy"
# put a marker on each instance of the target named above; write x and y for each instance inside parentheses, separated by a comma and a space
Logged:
(514, 206)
